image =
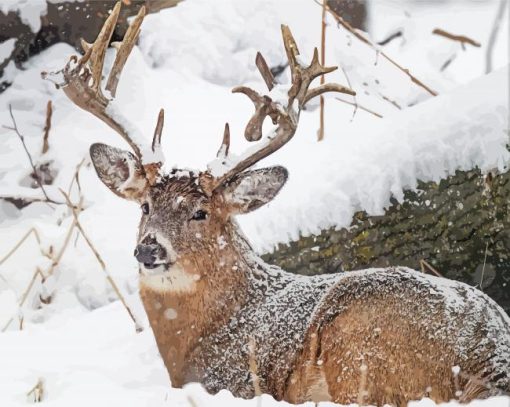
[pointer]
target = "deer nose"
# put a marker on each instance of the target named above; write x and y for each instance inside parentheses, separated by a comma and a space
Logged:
(147, 254)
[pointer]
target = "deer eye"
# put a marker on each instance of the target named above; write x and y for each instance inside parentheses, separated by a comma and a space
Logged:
(145, 208)
(199, 215)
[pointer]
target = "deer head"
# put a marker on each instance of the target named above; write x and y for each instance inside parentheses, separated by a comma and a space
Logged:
(187, 214)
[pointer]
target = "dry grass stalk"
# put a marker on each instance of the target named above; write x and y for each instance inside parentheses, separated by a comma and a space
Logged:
(494, 34)
(460, 38)
(47, 127)
(320, 135)
(355, 103)
(191, 401)
(364, 39)
(31, 231)
(358, 106)
(76, 178)
(484, 263)
(424, 265)
(25, 295)
(36, 394)
(15, 129)
(99, 259)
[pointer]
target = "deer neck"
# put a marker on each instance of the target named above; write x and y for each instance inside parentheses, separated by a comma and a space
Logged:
(199, 295)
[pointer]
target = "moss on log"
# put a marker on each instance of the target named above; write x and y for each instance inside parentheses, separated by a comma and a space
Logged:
(460, 226)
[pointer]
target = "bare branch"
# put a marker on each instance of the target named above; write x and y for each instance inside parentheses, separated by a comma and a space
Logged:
(31, 231)
(494, 34)
(24, 296)
(356, 105)
(460, 38)
(362, 38)
(320, 134)
(22, 139)
(47, 127)
(426, 266)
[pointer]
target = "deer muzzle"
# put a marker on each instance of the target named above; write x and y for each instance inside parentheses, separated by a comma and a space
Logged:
(151, 254)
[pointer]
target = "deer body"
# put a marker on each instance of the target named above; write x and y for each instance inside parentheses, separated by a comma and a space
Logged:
(224, 318)
(313, 336)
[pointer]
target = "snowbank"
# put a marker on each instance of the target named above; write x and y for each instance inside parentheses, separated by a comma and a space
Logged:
(96, 358)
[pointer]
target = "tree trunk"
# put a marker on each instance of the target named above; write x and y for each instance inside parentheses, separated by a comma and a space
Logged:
(460, 226)
(352, 11)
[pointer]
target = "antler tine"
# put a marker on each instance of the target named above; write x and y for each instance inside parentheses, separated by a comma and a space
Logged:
(328, 87)
(96, 60)
(264, 106)
(291, 50)
(264, 70)
(124, 51)
(225, 144)
(158, 131)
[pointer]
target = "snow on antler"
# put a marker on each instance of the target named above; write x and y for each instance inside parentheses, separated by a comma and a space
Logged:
(283, 113)
(82, 80)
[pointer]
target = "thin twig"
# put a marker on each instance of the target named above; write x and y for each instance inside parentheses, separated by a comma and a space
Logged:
(483, 267)
(391, 101)
(494, 34)
(99, 259)
(22, 139)
(426, 266)
(355, 104)
(460, 38)
(60, 254)
(47, 127)
(360, 107)
(76, 178)
(364, 39)
(37, 392)
(320, 134)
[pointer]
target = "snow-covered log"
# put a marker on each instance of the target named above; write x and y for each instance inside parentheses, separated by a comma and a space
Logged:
(454, 221)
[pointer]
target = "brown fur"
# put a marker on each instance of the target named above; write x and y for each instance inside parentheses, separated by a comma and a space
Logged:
(377, 336)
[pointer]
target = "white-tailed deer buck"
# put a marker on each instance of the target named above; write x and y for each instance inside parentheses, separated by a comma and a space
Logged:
(224, 318)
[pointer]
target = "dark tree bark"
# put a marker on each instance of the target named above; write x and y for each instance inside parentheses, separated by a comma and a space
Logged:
(456, 226)
(352, 11)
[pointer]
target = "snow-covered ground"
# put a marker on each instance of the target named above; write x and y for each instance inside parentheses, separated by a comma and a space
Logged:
(83, 344)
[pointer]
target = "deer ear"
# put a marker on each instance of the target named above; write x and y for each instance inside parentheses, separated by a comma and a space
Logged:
(119, 170)
(250, 190)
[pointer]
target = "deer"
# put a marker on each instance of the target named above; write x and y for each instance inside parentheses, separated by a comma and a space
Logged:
(224, 318)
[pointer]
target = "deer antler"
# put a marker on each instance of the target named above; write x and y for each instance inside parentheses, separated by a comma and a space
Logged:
(285, 116)
(82, 84)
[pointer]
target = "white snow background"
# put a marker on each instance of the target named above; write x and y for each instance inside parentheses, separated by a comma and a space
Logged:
(83, 344)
